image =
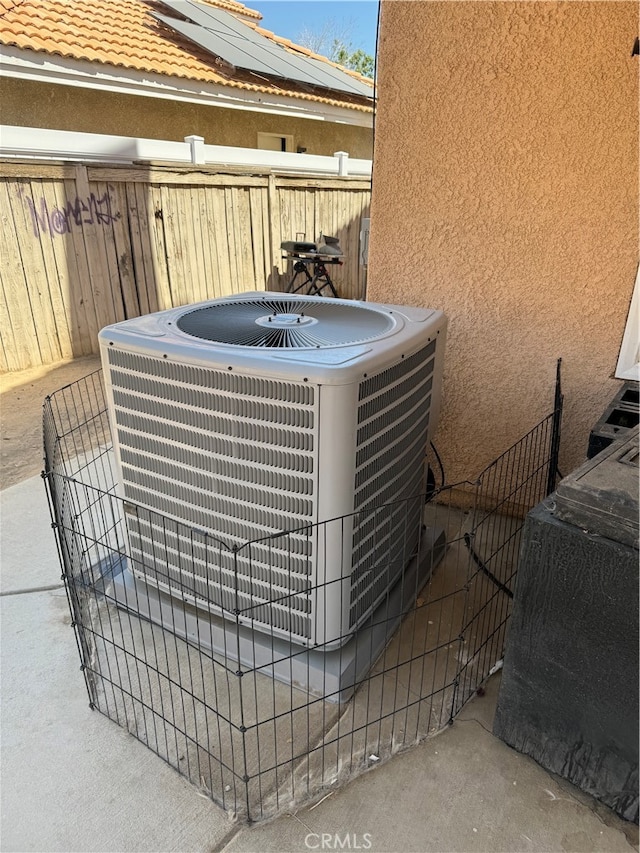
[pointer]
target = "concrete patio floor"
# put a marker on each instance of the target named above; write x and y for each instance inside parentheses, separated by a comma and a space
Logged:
(73, 781)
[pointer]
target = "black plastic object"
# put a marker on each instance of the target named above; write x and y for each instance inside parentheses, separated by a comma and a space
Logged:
(569, 691)
(294, 247)
(602, 495)
(620, 416)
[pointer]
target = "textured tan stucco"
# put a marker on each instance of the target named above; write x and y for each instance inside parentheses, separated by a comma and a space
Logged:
(32, 104)
(505, 192)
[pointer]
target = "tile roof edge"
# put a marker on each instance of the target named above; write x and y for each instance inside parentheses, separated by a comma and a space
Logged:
(234, 84)
(233, 6)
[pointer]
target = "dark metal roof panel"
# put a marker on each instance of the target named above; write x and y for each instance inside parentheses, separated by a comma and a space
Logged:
(223, 35)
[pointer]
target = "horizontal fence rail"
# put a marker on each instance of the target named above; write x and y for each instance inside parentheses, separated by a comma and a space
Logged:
(84, 246)
(48, 144)
(188, 641)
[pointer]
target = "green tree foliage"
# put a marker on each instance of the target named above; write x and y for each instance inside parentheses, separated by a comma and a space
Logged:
(356, 60)
(333, 40)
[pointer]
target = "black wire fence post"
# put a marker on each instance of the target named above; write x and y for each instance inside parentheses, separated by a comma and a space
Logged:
(555, 431)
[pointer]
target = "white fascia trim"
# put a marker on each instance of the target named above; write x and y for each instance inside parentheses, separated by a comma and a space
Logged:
(44, 68)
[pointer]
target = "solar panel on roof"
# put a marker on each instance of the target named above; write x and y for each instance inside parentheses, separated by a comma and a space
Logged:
(223, 35)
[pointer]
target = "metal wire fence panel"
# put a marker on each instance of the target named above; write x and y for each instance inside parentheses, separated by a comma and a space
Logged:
(506, 490)
(197, 647)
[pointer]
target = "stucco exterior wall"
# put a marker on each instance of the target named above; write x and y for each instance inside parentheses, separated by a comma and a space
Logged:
(505, 192)
(32, 104)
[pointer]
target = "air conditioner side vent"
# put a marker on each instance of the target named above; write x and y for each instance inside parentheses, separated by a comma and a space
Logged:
(381, 381)
(393, 418)
(137, 432)
(205, 377)
(226, 453)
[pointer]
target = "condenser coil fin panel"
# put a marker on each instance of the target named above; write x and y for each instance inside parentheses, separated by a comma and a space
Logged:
(176, 427)
(393, 419)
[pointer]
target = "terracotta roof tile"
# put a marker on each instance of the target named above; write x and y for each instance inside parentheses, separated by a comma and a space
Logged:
(123, 33)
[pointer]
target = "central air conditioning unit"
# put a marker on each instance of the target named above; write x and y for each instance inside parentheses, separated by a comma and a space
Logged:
(250, 415)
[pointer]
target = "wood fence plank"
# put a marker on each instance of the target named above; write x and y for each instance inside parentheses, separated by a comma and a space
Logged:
(257, 237)
(180, 281)
(29, 222)
(340, 184)
(79, 309)
(266, 236)
(294, 228)
(7, 355)
(248, 280)
(140, 271)
(53, 171)
(355, 246)
(232, 237)
(275, 229)
(310, 213)
(343, 232)
(169, 177)
(286, 219)
(102, 199)
(241, 285)
(347, 246)
(181, 239)
(152, 197)
(81, 290)
(55, 263)
(196, 229)
(28, 227)
(96, 256)
(223, 287)
(208, 243)
(204, 238)
(299, 215)
(141, 198)
(352, 243)
(15, 355)
(186, 224)
(213, 285)
(365, 212)
(175, 265)
(123, 250)
(215, 205)
(325, 226)
(142, 203)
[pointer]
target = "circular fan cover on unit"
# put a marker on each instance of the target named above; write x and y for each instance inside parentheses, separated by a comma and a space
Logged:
(286, 323)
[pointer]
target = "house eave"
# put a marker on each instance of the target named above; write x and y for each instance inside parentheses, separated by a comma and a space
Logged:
(44, 68)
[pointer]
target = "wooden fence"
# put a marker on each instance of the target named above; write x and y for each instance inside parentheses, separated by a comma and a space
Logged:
(83, 246)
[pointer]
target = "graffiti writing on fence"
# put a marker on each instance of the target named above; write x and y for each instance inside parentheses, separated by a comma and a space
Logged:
(88, 210)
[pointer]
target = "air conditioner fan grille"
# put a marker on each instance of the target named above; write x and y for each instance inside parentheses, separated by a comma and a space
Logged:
(286, 323)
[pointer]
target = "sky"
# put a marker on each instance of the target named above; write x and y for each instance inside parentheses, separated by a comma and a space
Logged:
(288, 18)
